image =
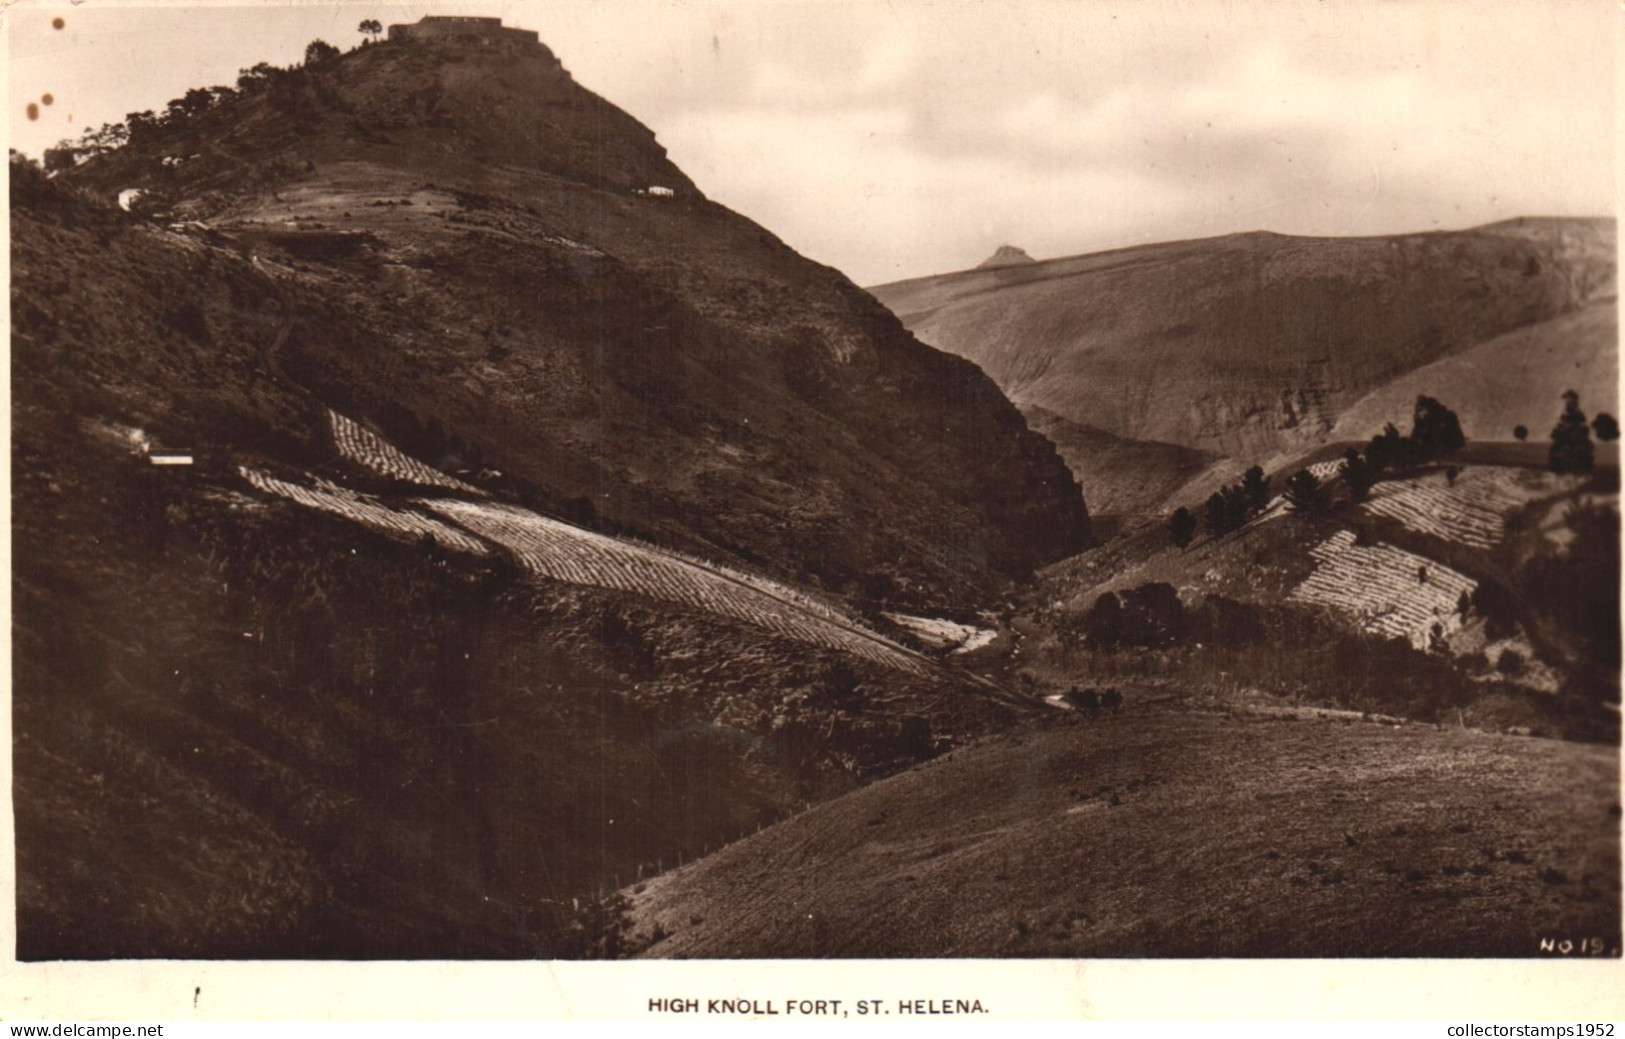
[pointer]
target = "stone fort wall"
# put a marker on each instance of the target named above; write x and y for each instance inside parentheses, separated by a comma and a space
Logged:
(482, 30)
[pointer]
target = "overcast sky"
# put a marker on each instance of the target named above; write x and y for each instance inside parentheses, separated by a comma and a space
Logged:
(893, 139)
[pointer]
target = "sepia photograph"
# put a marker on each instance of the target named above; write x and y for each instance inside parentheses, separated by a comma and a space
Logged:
(814, 480)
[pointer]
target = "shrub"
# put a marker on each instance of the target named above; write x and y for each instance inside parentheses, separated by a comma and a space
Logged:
(1357, 474)
(1510, 662)
(1256, 487)
(1571, 450)
(1182, 527)
(1304, 492)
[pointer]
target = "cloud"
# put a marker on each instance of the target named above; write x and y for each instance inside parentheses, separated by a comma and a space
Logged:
(899, 138)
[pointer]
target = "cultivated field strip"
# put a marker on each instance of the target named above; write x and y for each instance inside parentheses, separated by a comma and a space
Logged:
(368, 511)
(1384, 588)
(762, 584)
(571, 554)
(1473, 511)
(364, 447)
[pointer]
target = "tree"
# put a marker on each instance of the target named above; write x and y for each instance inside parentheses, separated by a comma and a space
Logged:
(1435, 430)
(1386, 450)
(1182, 526)
(1304, 492)
(194, 102)
(1256, 487)
(256, 76)
(370, 27)
(1571, 450)
(1358, 474)
(62, 157)
(142, 125)
(1104, 624)
(1226, 510)
(1217, 515)
(1606, 427)
(319, 50)
(1152, 616)
(1520, 433)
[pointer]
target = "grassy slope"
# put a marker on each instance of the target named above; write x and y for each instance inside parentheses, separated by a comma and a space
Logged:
(1249, 344)
(1514, 379)
(1321, 839)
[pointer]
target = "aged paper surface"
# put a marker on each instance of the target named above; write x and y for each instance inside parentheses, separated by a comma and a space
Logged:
(636, 36)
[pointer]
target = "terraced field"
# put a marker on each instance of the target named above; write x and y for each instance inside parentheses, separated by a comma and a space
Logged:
(368, 511)
(366, 448)
(571, 554)
(1326, 470)
(1471, 511)
(1388, 590)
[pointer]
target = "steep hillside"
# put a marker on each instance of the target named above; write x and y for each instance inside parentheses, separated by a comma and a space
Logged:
(1254, 344)
(484, 219)
(530, 538)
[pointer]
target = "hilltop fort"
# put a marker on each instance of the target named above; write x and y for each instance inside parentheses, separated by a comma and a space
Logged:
(436, 28)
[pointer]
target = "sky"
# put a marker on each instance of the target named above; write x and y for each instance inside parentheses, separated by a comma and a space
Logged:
(897, 138)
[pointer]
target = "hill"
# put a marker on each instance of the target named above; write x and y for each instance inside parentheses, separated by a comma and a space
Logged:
(1110, 838)
(660, 357)
(1513, 379)
(1005, 256)
(1254, 345)
(532, 534)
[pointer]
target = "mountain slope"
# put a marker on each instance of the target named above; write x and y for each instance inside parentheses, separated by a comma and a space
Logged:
(662, 358)
(528, 541)
(1250, 344)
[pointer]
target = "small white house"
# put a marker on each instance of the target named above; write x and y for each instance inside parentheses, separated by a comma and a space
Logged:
(128, 197)
(169, 457)
(659, 192)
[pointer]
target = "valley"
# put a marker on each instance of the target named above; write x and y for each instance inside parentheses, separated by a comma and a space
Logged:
(443, 532)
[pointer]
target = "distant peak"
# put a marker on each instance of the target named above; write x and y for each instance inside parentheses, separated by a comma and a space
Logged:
(1006, 256)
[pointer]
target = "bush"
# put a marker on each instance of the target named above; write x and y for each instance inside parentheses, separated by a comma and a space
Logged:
(1510, 662)
(1104, 624)
(1571, 450)
(1304, 492)
(1358, 474)
(319, 50)
(1153, 616)
(1182, 527)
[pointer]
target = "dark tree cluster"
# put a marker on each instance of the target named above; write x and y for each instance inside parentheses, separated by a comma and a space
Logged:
(1305, 493)
(1580, 585)
(1182, 526)
(1435, 434)
(1150, 615)
(1571, 450)
(1227, 508)
(140, 127)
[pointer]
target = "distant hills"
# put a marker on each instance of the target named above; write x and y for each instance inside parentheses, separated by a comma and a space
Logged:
(1005, 256)
(1257, 345)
